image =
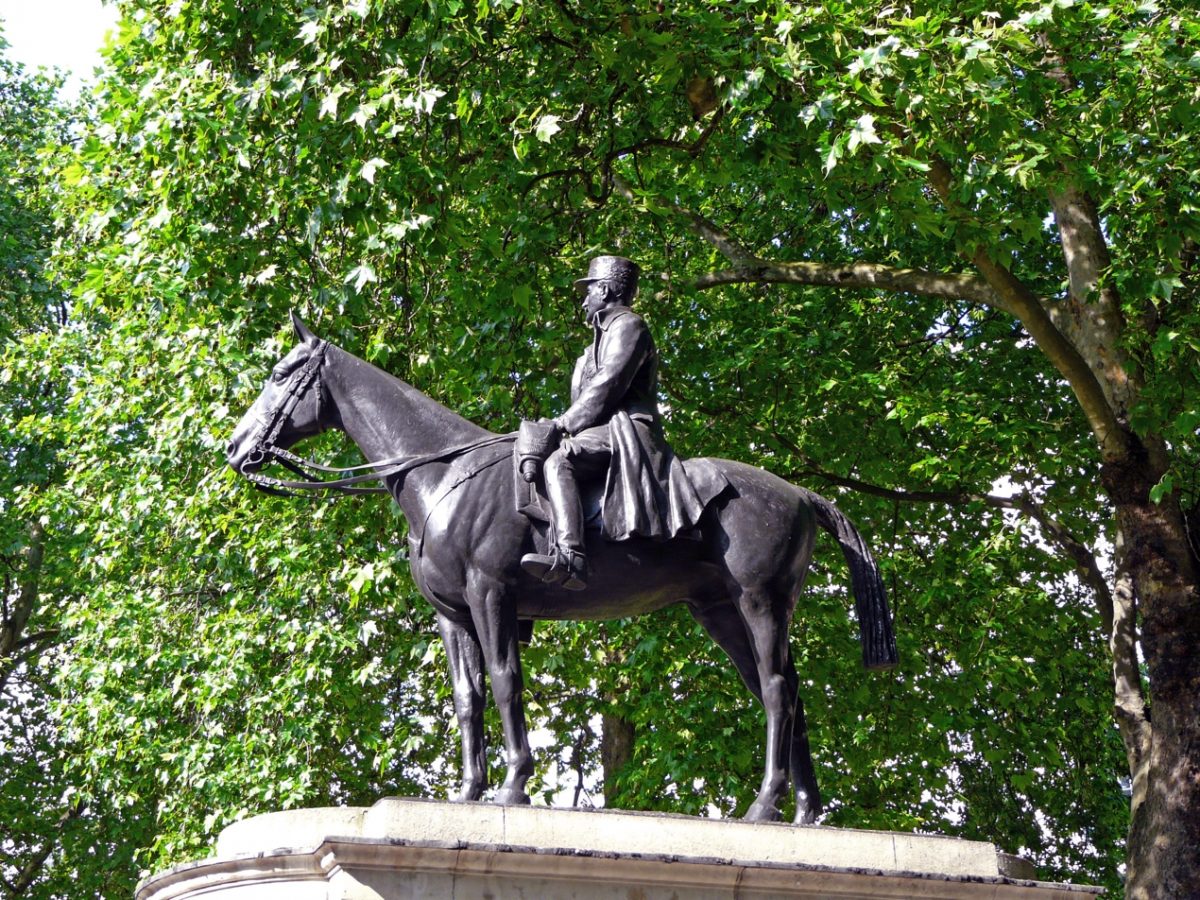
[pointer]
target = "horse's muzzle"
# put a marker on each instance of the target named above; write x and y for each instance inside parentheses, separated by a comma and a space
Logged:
(241, 461)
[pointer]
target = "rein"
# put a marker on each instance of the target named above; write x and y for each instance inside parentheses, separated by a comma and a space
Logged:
(266, 450)
(384, 468)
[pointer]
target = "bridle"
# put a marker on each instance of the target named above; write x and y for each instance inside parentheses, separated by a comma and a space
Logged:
(265, 450)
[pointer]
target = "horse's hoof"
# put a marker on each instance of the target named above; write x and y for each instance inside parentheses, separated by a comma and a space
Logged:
(763, 812)
(808, 807)
(805, 816)
(471, 791)
(511, 797)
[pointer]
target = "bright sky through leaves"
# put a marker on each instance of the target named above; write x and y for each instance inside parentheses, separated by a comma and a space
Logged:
(66, 34)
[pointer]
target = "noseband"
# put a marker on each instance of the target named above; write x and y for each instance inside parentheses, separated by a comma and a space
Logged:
(265, 449)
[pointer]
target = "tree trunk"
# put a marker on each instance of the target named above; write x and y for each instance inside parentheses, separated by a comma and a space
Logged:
(1156, 577)
(616, 751)
(1164, 834)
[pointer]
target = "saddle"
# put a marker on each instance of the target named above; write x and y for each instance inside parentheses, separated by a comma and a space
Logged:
(536, 440)
(531, 499)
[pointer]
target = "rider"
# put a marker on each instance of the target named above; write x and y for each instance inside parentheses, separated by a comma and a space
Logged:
(612, 426)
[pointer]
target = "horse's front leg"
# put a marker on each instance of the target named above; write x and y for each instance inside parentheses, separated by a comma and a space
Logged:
(495, 616)
(466, 678)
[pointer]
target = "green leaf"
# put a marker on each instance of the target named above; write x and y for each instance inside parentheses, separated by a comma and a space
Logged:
(360, 276)
(370, 167)
(863, 132)
(310, 31)
(546, 128)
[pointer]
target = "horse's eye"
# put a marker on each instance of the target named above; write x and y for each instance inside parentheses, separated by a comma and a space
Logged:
(278, 374)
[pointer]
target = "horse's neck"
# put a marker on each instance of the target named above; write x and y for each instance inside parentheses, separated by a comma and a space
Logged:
(387, 417)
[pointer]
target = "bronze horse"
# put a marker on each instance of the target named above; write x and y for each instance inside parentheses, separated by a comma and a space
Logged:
(454, 482)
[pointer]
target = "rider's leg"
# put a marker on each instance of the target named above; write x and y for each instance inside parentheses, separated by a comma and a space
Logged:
(578, 457)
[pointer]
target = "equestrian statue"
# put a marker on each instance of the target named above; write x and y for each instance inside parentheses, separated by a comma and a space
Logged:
(586, 516)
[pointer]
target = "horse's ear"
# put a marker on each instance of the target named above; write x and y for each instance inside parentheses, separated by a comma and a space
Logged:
(302, 332)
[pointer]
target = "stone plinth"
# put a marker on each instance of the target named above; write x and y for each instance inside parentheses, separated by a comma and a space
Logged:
(400, 849)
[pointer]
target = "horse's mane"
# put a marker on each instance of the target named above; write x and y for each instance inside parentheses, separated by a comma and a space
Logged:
(429, 409)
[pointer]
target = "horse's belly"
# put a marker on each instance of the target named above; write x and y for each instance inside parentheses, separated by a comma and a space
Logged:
(629, 578)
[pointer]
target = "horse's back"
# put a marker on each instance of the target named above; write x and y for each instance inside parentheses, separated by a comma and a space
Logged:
(750, 479)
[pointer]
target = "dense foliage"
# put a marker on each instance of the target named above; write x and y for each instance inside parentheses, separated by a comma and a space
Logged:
(849, 215)
(36, 800)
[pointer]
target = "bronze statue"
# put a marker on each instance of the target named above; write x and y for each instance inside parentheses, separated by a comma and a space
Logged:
(613, 429)
(457, 485)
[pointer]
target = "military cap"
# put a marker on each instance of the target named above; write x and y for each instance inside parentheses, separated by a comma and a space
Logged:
(617, 269)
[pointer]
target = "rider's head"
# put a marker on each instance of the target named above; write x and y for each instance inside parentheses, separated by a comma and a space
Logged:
(617, 276)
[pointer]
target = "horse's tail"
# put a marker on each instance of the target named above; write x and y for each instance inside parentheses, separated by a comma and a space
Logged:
(870, 596)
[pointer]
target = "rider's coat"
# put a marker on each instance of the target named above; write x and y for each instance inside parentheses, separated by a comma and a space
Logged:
(615, 387)
(618, 371)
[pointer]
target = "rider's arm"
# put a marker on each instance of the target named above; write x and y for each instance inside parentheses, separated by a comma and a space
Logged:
(623, 349)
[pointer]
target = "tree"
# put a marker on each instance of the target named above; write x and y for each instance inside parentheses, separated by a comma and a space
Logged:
(35, 798)
(966, 234)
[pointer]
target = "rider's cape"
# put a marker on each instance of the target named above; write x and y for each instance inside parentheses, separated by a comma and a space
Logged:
(647, 491)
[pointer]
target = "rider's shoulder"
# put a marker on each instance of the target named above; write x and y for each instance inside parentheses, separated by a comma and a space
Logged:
(621, 318)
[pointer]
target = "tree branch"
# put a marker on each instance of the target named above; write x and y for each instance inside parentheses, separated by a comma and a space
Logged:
(753, 269)
(728, 246)
(609, 179)
(695, 148)
(546, 176)
(943, 285)
(26, 649)
(13, 627)
(1027, 307)
(1090, 298)
(34, 864)
(998, 288)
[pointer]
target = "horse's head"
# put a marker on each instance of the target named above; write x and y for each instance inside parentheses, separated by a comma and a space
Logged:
(288, 409)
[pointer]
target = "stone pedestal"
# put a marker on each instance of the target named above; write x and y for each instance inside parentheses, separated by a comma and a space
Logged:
(400, 849)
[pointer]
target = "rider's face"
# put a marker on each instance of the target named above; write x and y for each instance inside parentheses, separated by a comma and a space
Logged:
(595, 298)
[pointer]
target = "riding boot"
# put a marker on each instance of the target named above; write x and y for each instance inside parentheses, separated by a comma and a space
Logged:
(568, 563)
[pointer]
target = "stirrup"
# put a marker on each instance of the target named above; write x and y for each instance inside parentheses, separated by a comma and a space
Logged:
(541, 566)
(573, 565)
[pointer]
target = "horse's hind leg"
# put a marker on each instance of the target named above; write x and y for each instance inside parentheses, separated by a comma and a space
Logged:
(765, 623)
(804, 778)
(725, 625)
(466, 679)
